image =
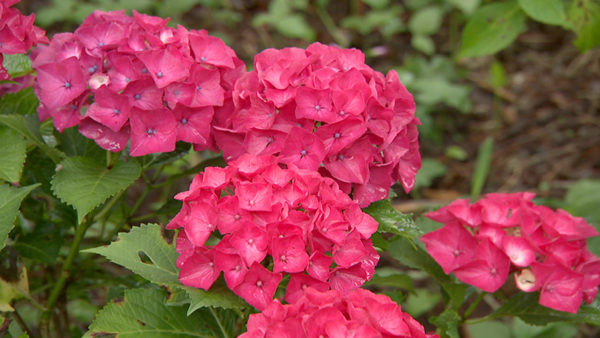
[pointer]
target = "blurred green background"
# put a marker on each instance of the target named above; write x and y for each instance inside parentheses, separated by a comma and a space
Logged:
(508, 92)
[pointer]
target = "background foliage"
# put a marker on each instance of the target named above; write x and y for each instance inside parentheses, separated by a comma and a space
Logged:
(507, 95)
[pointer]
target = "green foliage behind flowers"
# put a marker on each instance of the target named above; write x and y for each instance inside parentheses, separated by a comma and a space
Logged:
(84, 249)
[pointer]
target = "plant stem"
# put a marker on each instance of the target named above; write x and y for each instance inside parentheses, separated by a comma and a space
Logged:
(330, 26)
(473, 305)
(476, 320)
(216, 162)
(65, 271)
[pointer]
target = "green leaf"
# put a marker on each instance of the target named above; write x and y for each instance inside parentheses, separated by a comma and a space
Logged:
(551, 12)
(23, 102)
(377, 4)
(391, 277)
(219, 295)
(437, 89)
(84, 183)
(72, 143)
(12, 153)
(583, 199)
(14, 289)
(29, 127)
(456, 152)
(144, 251)
(175, 8)
(295, 26)
(430, 170)
(482, 166)
(181, 149)
(411, 255)
(489, 329)
(525, 306)
(448, 322)
(421, 302)
(17, 64)
(10, 200)
(467, 6)
(390, 220)
(423, 43)
(492, 28)
(42, 244)
(131, 249)
(521, 329)
(585, 17)
(143, 312)
(497, 75)
(426, 21)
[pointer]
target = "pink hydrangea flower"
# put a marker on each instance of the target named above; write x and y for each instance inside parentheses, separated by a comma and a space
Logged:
(324, 109)
(317, 313)
(483, 242)
(293, 220)
(17, 33)
(140, 79)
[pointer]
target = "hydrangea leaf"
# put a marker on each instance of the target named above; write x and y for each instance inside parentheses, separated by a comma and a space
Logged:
(17, 64)
(426, 21)
(84, 183)
(390, 220)
(430, 170)
(551, 12)
(23, 102)
(217, 296)
(525, 306)
(411, 253)
(583, 199)
(585, 17)
(448, 322)
(467, 6)
(13, 156)
(144, 251)
(491, 28)
(29, 127)
(10, 200)
(392, 277)
(143, 312)
(13, 290)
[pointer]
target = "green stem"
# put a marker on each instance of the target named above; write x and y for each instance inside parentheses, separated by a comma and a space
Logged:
(330, 26)
(139, 201)
(104, 212)
(65, 271)
(216, 162)
(223, 331)
(477, 320)
(473, 305)
(102, 216)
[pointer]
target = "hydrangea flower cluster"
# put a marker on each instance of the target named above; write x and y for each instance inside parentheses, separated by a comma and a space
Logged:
(17, 33)
(359, 313)
(484, 241)
(141, 79)
(293, 220)
(324, 109)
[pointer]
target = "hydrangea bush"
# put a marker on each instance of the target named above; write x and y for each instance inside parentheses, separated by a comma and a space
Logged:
(294, 215)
